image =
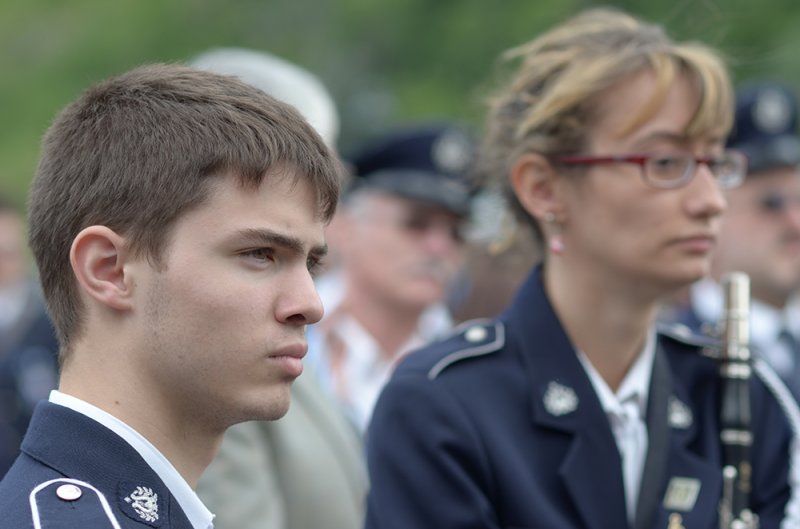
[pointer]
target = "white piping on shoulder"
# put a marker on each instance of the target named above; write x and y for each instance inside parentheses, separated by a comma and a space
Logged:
(789, 406)
(37, 523)
(499, 339)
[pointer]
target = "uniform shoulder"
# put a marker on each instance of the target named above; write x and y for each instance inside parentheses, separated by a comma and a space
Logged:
(683, 335)
(58, 501)
(468, 340)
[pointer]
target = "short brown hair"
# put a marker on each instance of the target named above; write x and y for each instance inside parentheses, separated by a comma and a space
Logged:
(548, 107)
(137, 151)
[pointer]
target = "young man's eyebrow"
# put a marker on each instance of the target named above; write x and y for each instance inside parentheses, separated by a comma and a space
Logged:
(274, 238)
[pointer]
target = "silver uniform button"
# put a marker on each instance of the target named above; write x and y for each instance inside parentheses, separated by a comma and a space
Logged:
(69, 492)
(475, 334)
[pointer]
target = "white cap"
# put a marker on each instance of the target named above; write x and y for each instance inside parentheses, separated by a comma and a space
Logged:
(280, 79)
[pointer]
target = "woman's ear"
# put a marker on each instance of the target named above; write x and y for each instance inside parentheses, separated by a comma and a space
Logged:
(97, 257)
(537, 186)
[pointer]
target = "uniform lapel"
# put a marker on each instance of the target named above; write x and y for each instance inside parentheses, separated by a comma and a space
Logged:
(692, 484)
(563, 400)
(655, 466)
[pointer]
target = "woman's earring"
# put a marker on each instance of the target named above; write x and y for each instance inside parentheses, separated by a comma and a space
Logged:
(556, 243)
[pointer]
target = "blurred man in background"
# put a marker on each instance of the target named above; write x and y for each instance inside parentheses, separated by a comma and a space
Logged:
(399, 236)
(760, 234)
(28, 344)
(306, 470)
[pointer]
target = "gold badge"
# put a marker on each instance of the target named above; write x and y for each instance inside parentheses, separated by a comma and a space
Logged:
(681, 494)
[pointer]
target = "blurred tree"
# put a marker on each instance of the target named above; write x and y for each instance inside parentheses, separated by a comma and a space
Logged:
(385, 61)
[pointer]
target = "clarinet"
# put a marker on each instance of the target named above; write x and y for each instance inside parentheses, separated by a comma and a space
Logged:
(735, 420)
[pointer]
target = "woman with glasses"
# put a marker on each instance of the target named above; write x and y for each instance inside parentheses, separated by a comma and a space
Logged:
(571, 410)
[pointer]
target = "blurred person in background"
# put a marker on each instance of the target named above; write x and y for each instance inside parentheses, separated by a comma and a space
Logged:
(760, 233)
(399, 234)
(572, 409)
(306, 470)
(28, 343)
(498, 257)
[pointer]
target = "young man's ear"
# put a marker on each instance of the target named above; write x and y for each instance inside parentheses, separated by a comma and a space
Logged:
(536, 186)
(98, 257)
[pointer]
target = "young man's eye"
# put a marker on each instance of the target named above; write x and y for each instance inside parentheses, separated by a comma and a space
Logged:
(259, 254)
(315, 265)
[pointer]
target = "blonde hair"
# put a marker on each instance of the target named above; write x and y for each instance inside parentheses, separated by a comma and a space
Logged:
(549, 105)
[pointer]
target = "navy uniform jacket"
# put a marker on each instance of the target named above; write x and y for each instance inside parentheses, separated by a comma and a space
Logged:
(74, 473)
(28, 371)
(499, 426)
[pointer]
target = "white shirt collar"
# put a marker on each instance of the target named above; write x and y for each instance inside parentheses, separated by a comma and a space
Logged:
(199, 516)
(366, 369)
(626, 411)
(635, 386)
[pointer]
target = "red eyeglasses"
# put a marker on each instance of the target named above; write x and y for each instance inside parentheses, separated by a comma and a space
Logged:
(668, 171)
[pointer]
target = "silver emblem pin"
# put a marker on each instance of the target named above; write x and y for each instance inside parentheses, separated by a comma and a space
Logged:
(678, 414)
(145, 502)
(452, 151)
(772, 111)
(681, 494)
(560, 399)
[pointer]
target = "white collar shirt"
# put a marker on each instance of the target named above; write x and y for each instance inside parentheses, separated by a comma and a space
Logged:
(197, 513)
(626, 411)
(365, 368)
(357, 376)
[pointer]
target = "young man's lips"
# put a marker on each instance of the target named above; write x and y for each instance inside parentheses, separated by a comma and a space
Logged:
(290, 358)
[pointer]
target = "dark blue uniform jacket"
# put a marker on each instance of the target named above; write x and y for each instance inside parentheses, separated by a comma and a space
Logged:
(64, 450)
(499, 427)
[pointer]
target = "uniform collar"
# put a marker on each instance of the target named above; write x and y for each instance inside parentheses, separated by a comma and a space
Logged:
(635, 385)
(197, 513)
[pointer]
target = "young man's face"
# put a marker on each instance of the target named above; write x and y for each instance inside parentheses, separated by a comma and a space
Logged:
(223, 319)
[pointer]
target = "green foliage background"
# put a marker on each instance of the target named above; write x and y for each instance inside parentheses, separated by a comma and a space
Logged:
(386, 61)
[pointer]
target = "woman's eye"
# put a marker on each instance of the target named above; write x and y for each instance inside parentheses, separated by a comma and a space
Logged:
(665, 162)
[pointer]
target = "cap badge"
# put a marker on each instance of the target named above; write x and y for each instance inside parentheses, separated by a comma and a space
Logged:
(772, 111)
(678, 414)
(145, 502)
(560, 399)
(451, 152)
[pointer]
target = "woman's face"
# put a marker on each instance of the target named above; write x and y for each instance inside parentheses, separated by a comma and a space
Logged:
(620, 226)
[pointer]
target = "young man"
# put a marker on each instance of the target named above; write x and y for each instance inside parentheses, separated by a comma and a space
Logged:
(176, 218)
(760, 235)
(307, 469)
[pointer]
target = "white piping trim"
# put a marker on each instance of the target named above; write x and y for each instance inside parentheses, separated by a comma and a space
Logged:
(499, 339)
(37, 523)
(789, 406)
